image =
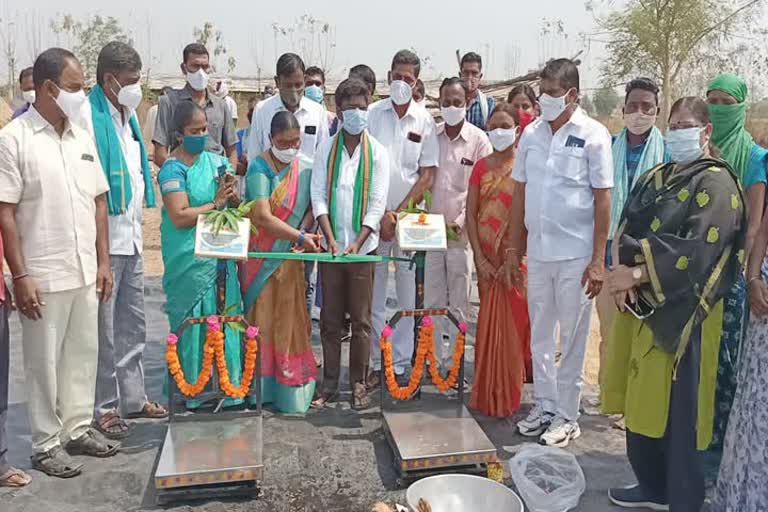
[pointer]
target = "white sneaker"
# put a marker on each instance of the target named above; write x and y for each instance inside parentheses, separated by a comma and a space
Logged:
(537, 422)
(560, 433)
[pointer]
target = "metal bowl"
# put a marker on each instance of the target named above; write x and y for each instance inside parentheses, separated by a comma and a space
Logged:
(463, 493)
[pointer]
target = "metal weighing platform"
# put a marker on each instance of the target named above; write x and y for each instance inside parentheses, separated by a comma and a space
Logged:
(435, 434)
(211, 453)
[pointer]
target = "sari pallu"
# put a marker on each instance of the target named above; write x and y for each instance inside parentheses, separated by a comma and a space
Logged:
(686, 223)
(190, 283)
(274, 291)
(502, 343)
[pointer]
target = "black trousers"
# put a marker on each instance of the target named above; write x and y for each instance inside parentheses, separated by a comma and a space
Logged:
(669, 470)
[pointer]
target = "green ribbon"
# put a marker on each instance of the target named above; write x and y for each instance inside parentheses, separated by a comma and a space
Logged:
(324, 257)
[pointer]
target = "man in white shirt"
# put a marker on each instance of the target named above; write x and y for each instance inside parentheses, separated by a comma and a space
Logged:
(448, 275)
(53, 217)
(311, 115)
(358, 167)
(109, 115)
(222, 91)
(409, 133)
(564, 170)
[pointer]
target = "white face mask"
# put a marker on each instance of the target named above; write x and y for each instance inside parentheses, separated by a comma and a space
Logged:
(198, 80)
(130, 96)
(70, 103)
(552, 107)
(685, 144)
(453, 115)
(639, 123)
(400, 92)
(28, 96)
(286, 156)
(502, 138)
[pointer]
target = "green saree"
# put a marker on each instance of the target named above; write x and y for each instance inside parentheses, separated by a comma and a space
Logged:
(190, 283)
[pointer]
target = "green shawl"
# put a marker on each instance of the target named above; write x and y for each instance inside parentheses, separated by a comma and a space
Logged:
(729, 135)
(112, 158)
(362, 180)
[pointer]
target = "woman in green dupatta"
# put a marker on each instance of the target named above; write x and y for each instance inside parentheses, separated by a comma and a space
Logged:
(679, 248)
(274, 291)
(190, 185)
(726, 100)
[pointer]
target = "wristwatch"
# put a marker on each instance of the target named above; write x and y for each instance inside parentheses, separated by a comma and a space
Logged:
(637, 274)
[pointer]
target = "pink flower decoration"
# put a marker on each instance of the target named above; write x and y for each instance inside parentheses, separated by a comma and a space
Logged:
(387, 331)
(213, 322)
(251, 332)
(463, 327)
(171, 339)
(427, 321)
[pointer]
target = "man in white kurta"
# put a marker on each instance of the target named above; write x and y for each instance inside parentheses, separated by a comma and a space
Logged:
(408, 132)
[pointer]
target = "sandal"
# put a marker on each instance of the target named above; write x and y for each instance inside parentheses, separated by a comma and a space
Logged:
(93, 444)
(112, 426)
(373, 381)
(323, 399)
(360, 398)
(151, 410)
(14, 478)
(56, 462)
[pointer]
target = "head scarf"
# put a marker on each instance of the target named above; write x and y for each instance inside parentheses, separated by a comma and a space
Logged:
(729, 135)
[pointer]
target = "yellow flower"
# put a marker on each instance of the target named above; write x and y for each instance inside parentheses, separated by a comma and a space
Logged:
(683, 195)
(655, 224)
(702, 198)
(734, 201)
(682, 263)
(713, 235)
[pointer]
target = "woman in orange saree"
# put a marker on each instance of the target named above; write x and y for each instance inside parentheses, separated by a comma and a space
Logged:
(502, 343)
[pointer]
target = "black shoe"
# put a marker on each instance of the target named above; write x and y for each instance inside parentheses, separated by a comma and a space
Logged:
(634, 497)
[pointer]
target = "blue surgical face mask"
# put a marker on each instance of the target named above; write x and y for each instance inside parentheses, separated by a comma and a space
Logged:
(195, 144)
(684, 144)
(315, 93)
(354, 121)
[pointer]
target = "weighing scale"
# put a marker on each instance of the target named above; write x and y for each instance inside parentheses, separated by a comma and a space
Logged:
(211, 453)
(430, 436)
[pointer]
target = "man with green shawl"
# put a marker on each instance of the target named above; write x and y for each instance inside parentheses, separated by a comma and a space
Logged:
(726, 101)
(109, 115)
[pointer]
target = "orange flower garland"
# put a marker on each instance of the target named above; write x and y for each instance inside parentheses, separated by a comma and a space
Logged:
(425, 349)
(214, 347)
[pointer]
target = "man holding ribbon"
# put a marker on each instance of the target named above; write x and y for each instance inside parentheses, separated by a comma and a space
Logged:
(110, 116)
(350, 183)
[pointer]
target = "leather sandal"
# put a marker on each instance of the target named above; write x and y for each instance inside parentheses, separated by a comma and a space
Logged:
(112, 426)
(92, 444)
(15, 478)
(360, 398)
(323, 399)
(56, 462)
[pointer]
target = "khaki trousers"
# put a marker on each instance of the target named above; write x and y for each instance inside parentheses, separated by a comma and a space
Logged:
(60, 359)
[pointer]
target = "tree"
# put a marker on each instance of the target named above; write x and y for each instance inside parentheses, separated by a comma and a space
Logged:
(8, 34)
(89, 37)
(587, 105)
(209, 34)
(668, 39)
(605, 101)
(310, 37)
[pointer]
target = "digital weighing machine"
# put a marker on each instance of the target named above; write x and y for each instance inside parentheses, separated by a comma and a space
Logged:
(431, 434)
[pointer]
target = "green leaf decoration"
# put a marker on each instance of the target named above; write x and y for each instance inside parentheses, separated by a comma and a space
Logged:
(741, 255)
(734, 201)
(655, 224)
(683, 195)
(451, 234)
(702, 199)
(428, 199)
(713, 235)
(682, 263)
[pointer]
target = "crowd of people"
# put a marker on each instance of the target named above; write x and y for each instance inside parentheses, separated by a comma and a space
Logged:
(665, 232)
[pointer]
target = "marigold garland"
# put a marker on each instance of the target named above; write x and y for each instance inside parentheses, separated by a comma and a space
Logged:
(425, 349)
(214, 347)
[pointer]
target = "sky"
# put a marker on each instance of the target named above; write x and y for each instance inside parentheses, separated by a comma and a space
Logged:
(508, 34)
